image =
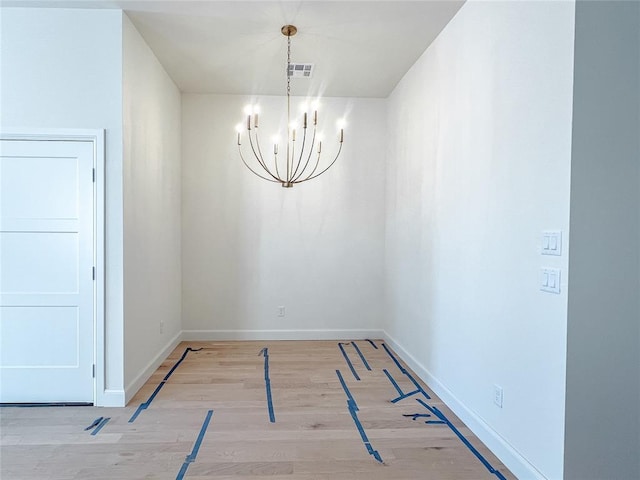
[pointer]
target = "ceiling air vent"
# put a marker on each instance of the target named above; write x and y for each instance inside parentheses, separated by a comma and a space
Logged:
(303, 70)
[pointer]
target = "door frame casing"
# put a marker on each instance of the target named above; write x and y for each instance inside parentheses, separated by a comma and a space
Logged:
(97, 138)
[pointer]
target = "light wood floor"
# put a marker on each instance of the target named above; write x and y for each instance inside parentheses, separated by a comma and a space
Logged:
(314, 436)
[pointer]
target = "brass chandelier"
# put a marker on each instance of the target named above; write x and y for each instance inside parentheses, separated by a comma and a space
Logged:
(299, 166)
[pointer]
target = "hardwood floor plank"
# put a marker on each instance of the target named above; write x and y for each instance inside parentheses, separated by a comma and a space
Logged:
(315, 435)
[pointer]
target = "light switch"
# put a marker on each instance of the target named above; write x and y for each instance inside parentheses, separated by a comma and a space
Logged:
(551, 242)
(550, 279)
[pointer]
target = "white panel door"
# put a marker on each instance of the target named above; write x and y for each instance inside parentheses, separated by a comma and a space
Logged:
(46, 271)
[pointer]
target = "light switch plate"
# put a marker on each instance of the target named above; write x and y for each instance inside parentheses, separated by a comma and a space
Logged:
(551, 242)
(550, 279)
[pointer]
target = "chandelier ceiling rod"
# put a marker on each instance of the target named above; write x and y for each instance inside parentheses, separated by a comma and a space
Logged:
(293, 173)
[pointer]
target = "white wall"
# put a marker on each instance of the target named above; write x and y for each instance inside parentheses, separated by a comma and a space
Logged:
(152, 190)
(478, 166)
(63, 69)
(603, 352)
(249, 246)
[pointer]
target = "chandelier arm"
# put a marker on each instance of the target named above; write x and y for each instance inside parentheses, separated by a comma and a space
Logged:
(312, 171)
(313, 141)
(304, 138)
(259, 158)
(254, 150)
(264, 164)
(251, 169)
(290, 160)
(288, 153)
(275, 162)
(330, 165)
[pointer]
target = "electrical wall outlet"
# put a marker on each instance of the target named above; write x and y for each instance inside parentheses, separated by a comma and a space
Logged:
(281, 311)
(497, 395)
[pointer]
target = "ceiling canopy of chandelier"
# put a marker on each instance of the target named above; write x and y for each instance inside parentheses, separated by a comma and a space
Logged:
(301, 163)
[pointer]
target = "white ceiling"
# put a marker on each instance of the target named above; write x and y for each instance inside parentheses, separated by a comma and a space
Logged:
(359, 48)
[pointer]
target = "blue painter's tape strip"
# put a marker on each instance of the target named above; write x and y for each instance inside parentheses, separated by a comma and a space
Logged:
(353, 409)
(137, 412)
(395, 360)
(100, 425)
(393, 382)
(435, 422)
(155, 392)
(184, 355)
(415, 416)
(372, 343)
(402, 395)
(405, 395)
(373, 452)
(405, 372)
(346, 357)
(433, 410)
(145, 405)
(196, 447)
(350, 401)
(272, 416)
(364, 360)
(267, 384)
(183, 471)
(464, 440)
(94, 424)
(363, 435)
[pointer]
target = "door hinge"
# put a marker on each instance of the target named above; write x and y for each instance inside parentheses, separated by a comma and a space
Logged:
(94, 175)
(94, 272)
(94, 371)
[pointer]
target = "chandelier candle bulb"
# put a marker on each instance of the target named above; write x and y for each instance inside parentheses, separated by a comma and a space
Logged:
(255, 121)
(304, 122)
(293, 135)
(315, 117)
(341, 135)
(248, 122)
(275, 148)
(238, 138)
(319, 145)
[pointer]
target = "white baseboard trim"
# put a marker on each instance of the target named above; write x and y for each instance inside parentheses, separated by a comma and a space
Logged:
(151, 367)
(111, 398)
(508, 455)
(326, 334)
